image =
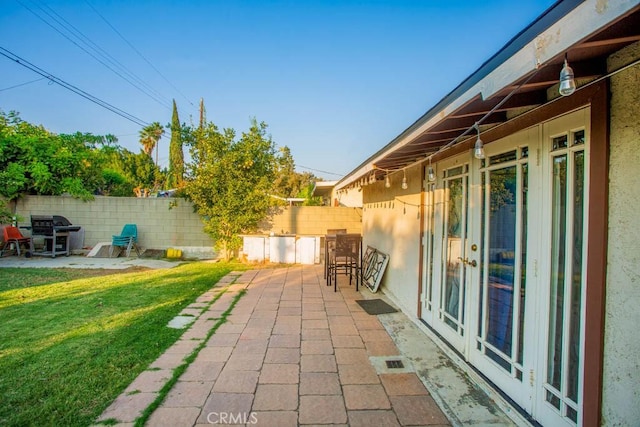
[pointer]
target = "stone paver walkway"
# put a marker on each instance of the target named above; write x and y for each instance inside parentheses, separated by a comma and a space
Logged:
(292, 352)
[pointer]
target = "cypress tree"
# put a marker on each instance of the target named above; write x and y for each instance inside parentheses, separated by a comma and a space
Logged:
(176, 155)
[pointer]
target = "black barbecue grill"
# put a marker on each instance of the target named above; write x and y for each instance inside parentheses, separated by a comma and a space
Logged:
(54, 230)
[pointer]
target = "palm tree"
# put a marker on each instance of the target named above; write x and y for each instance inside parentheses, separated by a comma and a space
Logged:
(149, 137)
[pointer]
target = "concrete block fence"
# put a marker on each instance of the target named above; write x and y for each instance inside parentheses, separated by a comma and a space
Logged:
(171, 222)
(162, 222)
(313, 220)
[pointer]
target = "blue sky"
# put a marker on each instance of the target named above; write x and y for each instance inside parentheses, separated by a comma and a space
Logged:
(334, 80)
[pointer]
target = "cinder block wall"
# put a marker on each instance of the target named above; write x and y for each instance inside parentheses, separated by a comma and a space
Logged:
(171, 222)
(159, 226)
(313, 220)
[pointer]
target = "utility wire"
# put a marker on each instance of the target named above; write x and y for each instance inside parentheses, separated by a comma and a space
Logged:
(479, 122)
(23, 84)
(139, 53)
(23, 62)
(80, 35)
(318, 170)
(92, 55)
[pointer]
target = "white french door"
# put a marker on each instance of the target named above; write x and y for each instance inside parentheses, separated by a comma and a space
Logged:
(447, 211)
(505, 257)
(503, 309)
(560, 372)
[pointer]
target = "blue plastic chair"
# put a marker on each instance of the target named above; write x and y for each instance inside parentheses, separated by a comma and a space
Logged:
(127, 240)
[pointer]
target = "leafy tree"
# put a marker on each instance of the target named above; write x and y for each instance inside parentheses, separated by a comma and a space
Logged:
(116, 184)
(231, 181)
(36, 161)
(140, 169)
(288, 182)
(309, 198)
(6, 217)
(285, 184)
(137, 170)
(150, 136)
(176, 155)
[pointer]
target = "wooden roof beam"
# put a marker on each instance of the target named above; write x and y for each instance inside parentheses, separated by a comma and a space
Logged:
(609, 41)
(464, 123)
(549, 75)
(518, 100)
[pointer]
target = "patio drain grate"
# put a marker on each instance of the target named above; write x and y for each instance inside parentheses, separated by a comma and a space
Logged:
(394, 364)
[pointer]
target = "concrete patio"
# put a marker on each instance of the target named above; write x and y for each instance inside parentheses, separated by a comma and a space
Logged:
(294, 352)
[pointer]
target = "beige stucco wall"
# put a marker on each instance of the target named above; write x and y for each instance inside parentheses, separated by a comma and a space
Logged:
(621, 377)
(313, 220)
(391, 224)
(158, 226)
(350, 197)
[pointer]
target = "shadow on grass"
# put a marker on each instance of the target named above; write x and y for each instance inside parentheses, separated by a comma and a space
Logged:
(69, 349)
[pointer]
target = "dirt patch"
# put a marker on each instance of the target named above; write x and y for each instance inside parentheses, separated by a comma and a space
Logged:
(153, 253)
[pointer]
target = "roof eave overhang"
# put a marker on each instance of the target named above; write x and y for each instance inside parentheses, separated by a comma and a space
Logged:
(562, 26)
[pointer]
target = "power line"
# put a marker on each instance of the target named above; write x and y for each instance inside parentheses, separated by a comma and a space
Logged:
(23, 62)
(104, 53)
(138, 52)
(23, 84)
(320, 171)
(101, 61)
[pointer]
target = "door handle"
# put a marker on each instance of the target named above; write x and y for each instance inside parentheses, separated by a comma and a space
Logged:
(465, 261)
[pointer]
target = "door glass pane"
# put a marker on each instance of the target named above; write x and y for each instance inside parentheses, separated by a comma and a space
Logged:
(556, 303)
(483, 208)
(454, 171)
(430, 236)
(560, 142)
(576, 276)
(553, 399)
(505, 364)
(502, 246)
(503, 158)
(523, 259)
(454, 249)
(463, 280)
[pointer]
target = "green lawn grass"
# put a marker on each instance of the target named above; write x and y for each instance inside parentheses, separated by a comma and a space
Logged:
(69, 344)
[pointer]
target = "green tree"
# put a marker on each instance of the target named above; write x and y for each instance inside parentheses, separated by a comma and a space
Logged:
(231, 181)
(123, 171)
(309, 198)
(116, 184)
(176, 155)
(286, 182)
(36, 161)
(150, 136)
(6, 216)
